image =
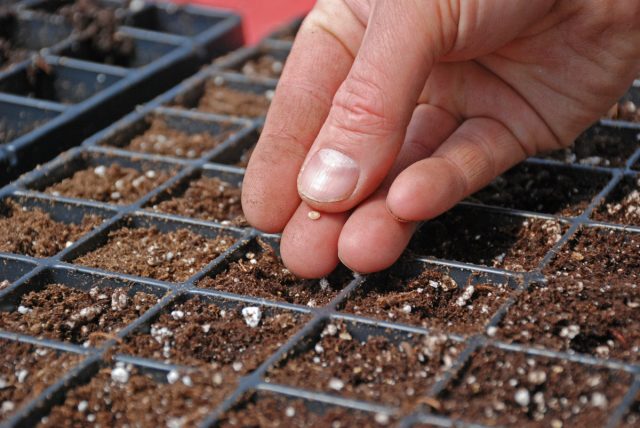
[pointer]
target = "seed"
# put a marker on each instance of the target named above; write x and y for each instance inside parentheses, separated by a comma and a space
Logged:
(314, 215)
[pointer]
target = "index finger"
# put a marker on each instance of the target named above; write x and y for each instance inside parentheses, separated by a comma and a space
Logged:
(320, 60)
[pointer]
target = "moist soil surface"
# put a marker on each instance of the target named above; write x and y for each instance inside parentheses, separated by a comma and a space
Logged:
(598, 147)
(433, 299)
(490, 239)
(262, 274)
(202, 333)
(77, 316)
(378, 369)
(161, 139)
(206, 198)
(514, 389)
(141, 400)
(264, 65)
(32, 232)
(232, 102)
(624, 110)
(274, 411)
(622, 205)
(113, 184)
(26, 371)
(173, 256)
(543, 189)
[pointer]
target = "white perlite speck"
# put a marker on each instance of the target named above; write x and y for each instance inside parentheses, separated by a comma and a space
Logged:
(100, 170)
(570, 331)
(3, 383)
(407, 309)
(290, 412)
(120, 375)
(177, 315)
(173, 376)
(522, 397)
(381, 418)
(598, 399)
(83, 406)
(22, 375)
(336, 384)
(23, 310)
(252, 316)
(466, 295)
(7, 406)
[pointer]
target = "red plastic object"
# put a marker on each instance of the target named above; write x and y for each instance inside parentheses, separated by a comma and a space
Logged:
(260, 17)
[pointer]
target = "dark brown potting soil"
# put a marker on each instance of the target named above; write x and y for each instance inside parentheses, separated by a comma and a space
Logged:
(514, 389)
(432, 299)
(624, 110)
(567, 314)
(141, 400)
(597, 147)
(77, 316)
(232, 102)
(113, 183)
(378, 369)
(26, 371)
(172, 256)
(632, 418)
(543, 189)
(32, 231)
(264, 65)
(622, 205)
(9, 133)
(207, 198)
(197, 332)
(161, 139)
(490, 239)
(262, 274)
(273, 411)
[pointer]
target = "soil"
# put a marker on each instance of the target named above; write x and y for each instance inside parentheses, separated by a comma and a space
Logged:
(113, 184)
(201, 333)
(377, 369)
(624, 110)
(161, 139)
(139, 401)
(72, 315)
(431, 299)
(264, 65)
(263, 275)
(490, 239)
(274, 411)
(26, 371)
(172, 256)
(514, 389)
(632, 419)
(577, 316)
(622, 205)
(232, 102)
(32, 232)
(597, 147)
(207, 198)
(543, 189)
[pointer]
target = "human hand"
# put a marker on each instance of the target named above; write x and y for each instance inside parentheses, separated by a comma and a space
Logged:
(390, 112)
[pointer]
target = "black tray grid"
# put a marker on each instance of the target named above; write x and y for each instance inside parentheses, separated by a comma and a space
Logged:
(27, 270)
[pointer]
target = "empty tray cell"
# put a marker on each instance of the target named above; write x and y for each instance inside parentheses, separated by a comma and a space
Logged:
(202, 331)
(55, 82)
(628, 108)
(17, 120)
(622, 205)
(173, 135)
(368, 363)
(567, 314)
(182, 21)
(167, 251)
(263, 63)
(485, 238)
(257, 270)
(11, 270)
(239, 152)
(208, 195)
(282, 411)
(515, 389)
(39, 228)
(600, 145)
(21, 36)
(229, 96)
(124, 395)
(430, 296)
(75, 307)
(105, 179)
(26, 371)
(543, 188)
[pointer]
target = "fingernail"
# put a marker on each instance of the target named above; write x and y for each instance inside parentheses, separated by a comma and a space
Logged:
(329, 176)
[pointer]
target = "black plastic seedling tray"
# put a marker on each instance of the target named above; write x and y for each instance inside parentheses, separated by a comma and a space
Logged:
(81, 94)
(177, 108)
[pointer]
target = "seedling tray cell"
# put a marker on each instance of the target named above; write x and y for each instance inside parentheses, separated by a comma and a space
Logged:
(11, 270)
(238, 153)
(18, 117)
(262, 61)
(622, 205)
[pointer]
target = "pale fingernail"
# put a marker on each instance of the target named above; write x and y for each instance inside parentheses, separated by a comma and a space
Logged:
(329, 176)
